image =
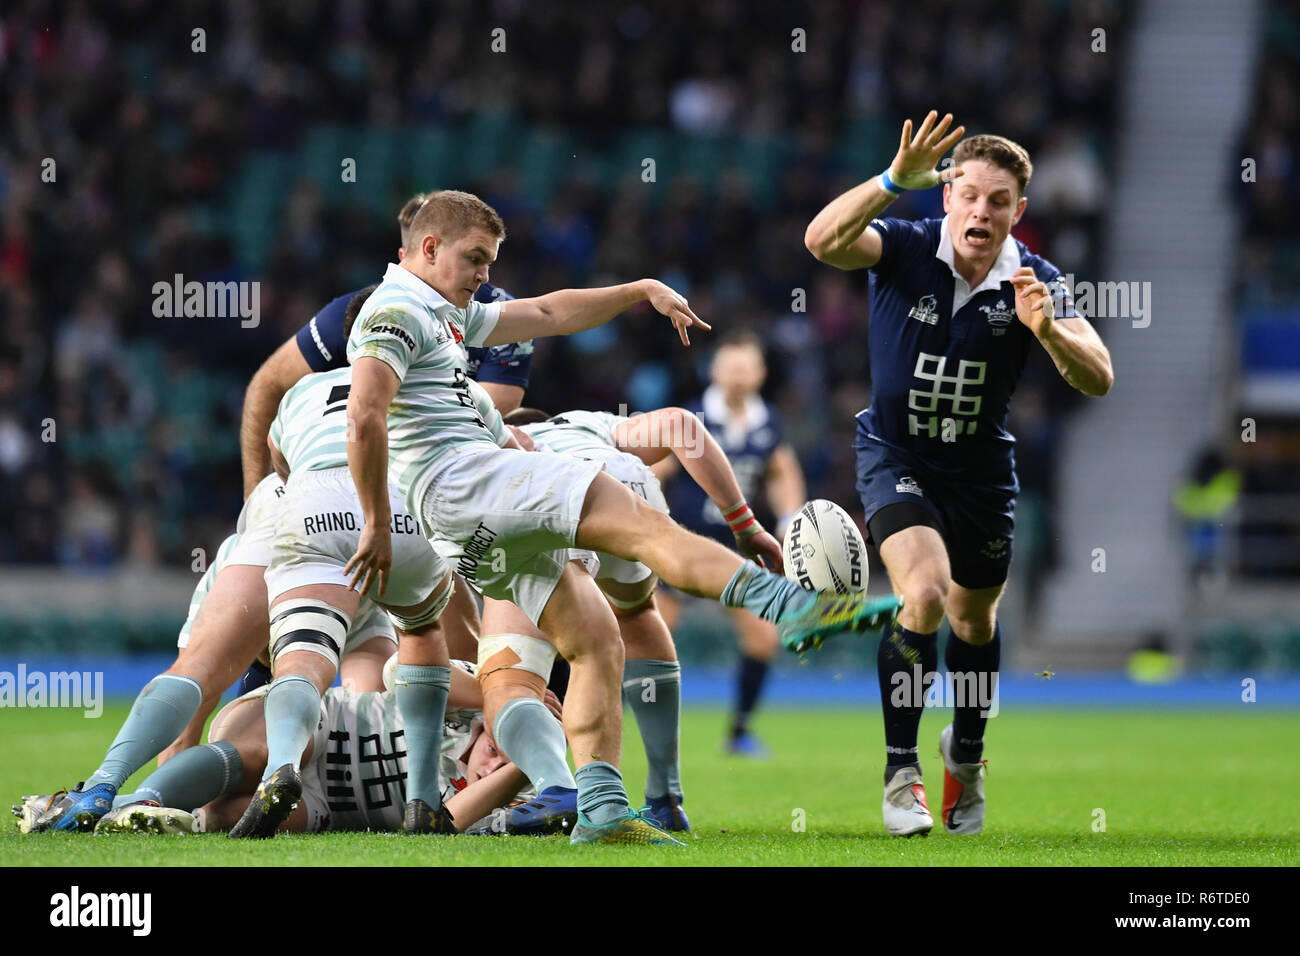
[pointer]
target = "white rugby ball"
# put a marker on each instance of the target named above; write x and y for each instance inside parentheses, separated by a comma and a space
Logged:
(823, 550)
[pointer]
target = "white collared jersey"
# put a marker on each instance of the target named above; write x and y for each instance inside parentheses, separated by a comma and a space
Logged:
(572, 433)
(363, 761)
(310, 427)
(422, 337)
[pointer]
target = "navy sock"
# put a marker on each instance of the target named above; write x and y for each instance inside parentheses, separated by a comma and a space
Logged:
(974, 669)
(749, 684)
(905, 663)
(257, 675)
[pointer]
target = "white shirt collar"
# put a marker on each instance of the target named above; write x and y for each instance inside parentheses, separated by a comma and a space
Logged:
(1004, 267)
(421, 289)
(754, 415)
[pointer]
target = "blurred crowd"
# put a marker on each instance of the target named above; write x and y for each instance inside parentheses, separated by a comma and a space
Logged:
(180, 133)
(1265, 465)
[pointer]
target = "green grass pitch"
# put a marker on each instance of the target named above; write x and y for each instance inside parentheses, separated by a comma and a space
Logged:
(1180, 788)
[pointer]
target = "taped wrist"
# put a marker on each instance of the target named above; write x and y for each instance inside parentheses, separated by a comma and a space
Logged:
(741, 520)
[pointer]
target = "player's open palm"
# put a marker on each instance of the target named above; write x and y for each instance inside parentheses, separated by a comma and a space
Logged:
(674, 305)
(764, 549)
(913, 166)
(373, 561)
(1034, 306)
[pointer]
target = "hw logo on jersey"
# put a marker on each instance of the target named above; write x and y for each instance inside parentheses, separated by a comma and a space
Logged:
(959, 392)
(907, 485)
(999, 316)
(927, 311)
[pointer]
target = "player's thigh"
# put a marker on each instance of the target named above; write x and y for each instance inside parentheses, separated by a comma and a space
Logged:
(645, 633)
(503, 617)
(916, 561)
(461, 624)
(972, 612)
(758, 638)
(229, 629)
(616, 520)
(577, 617)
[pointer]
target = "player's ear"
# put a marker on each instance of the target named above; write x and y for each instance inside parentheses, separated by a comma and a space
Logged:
(947, 197)
(1020, 209)
(429, 246)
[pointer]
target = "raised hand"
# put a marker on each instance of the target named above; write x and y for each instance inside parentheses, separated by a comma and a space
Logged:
(1034, 306)
(913, 165)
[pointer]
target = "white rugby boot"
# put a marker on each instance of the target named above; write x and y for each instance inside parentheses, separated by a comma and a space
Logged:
(904, 808)
(963, 791)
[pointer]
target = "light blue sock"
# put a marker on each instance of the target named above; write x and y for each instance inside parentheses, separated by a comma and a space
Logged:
(422, 702)
(601, 797)
(765, 594)
(292, 713)
(166, 705)
(653, 689)
(530, 736)
(190, 779)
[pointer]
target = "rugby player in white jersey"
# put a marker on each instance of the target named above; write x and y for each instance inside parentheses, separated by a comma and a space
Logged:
(311, 601)
(651, 673)
(216, 642)
(410, 407)
(354, 766)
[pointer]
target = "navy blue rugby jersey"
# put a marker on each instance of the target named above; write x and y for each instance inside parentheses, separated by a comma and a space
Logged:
(945, 359)
(323, 346)
(748, 447)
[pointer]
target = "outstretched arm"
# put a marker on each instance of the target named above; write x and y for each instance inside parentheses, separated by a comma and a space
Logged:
(576, 310)
(838, 235)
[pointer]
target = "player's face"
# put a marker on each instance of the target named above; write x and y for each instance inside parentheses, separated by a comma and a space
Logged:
(484, 758)
(738, 370)
(460, 266)
(982, 206)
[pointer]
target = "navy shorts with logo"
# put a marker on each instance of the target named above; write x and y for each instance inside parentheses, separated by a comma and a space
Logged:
(976, 521)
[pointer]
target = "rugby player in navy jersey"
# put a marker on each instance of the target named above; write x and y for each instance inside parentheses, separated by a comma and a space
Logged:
(749, 432)
(956, 307)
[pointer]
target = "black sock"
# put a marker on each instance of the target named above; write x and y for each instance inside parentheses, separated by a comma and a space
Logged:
(749, 684)
(905, 662)
(974, 669)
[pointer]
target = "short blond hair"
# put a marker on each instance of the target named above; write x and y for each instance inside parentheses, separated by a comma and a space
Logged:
(407, 216)
(997, 151)
(449, 214)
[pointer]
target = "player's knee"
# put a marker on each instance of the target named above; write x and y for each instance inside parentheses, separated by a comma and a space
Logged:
(973, 628)
(924, 599)
(306, 624)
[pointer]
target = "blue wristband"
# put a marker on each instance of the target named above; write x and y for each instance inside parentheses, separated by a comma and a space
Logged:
(888, 185)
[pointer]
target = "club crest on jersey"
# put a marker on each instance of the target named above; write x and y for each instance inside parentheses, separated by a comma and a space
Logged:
(927, 311)
(999, 316)
(907, 485)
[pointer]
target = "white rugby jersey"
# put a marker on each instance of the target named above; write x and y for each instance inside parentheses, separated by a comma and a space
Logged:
(572, 433)
(310, 427)
(422, 337)
(363, 768)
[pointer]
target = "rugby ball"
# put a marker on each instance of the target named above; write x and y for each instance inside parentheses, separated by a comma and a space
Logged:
(823, 550)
